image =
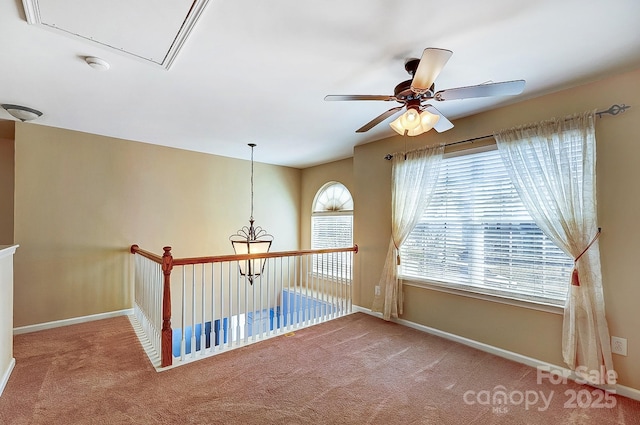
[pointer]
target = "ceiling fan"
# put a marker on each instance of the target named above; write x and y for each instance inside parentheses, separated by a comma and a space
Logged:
(416, 94)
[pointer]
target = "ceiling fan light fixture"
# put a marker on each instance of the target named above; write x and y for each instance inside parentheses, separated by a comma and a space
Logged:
(412, 124)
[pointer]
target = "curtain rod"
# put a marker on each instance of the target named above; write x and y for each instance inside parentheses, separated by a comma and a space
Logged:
(613, 110)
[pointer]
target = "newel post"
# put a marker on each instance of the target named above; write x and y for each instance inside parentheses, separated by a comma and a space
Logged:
(167, 336)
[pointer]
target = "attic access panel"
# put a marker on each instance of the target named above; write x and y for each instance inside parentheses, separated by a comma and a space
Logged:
(153, 30)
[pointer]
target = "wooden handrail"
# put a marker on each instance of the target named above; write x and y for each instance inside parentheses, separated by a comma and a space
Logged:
(135, 249)
(238, 257)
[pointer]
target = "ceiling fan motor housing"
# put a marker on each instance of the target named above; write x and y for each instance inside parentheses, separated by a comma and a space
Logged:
(403, 92)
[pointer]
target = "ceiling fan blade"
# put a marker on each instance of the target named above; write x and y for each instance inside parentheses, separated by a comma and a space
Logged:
(482, 90)
(377, 120)
(431, 63)
(358, 97)
(443, 123)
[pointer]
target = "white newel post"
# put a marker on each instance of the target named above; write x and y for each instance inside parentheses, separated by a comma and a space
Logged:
(6, 314)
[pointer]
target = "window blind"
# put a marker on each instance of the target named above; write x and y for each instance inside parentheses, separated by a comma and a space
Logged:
(476, 235)
(331, 231)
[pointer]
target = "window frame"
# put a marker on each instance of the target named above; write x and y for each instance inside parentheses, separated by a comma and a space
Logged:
(475, 292)
(330, 213)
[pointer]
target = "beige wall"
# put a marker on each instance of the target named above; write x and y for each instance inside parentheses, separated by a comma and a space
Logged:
(6, 181)
(529, 332)
(81, 200)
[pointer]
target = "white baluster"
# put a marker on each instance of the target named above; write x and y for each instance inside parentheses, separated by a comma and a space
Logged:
(203, 292)
(193, 311)
(212, 339)
(183, 342)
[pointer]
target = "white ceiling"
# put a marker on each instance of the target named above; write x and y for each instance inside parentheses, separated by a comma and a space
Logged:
(258, 71)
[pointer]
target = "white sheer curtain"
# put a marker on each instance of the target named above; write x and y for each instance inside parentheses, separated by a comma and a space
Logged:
(413, 180)
(553, 167)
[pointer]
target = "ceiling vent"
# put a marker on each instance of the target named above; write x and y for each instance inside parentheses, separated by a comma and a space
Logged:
(153, 30)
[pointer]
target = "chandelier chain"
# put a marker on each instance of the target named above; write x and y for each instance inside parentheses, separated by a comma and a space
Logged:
(252, 146)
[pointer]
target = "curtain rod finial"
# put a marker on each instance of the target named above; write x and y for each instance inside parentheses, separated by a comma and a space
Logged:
(613, 110)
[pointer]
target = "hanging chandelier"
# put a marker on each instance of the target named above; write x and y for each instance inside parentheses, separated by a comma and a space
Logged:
(251, 240)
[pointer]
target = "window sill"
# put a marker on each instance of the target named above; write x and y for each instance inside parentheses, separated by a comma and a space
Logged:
(548, 308)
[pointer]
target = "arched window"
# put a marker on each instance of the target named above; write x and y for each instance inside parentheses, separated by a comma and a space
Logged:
(332, 224)
(332, 218)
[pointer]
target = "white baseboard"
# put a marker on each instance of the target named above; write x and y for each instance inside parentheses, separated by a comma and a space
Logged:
(628, 392)
(72, 321)
(6, 375)
(510, 355)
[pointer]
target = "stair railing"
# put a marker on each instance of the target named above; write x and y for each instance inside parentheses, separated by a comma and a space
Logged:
(216, 308)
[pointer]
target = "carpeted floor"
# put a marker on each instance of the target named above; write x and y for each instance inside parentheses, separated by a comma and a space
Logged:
(352, 370)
